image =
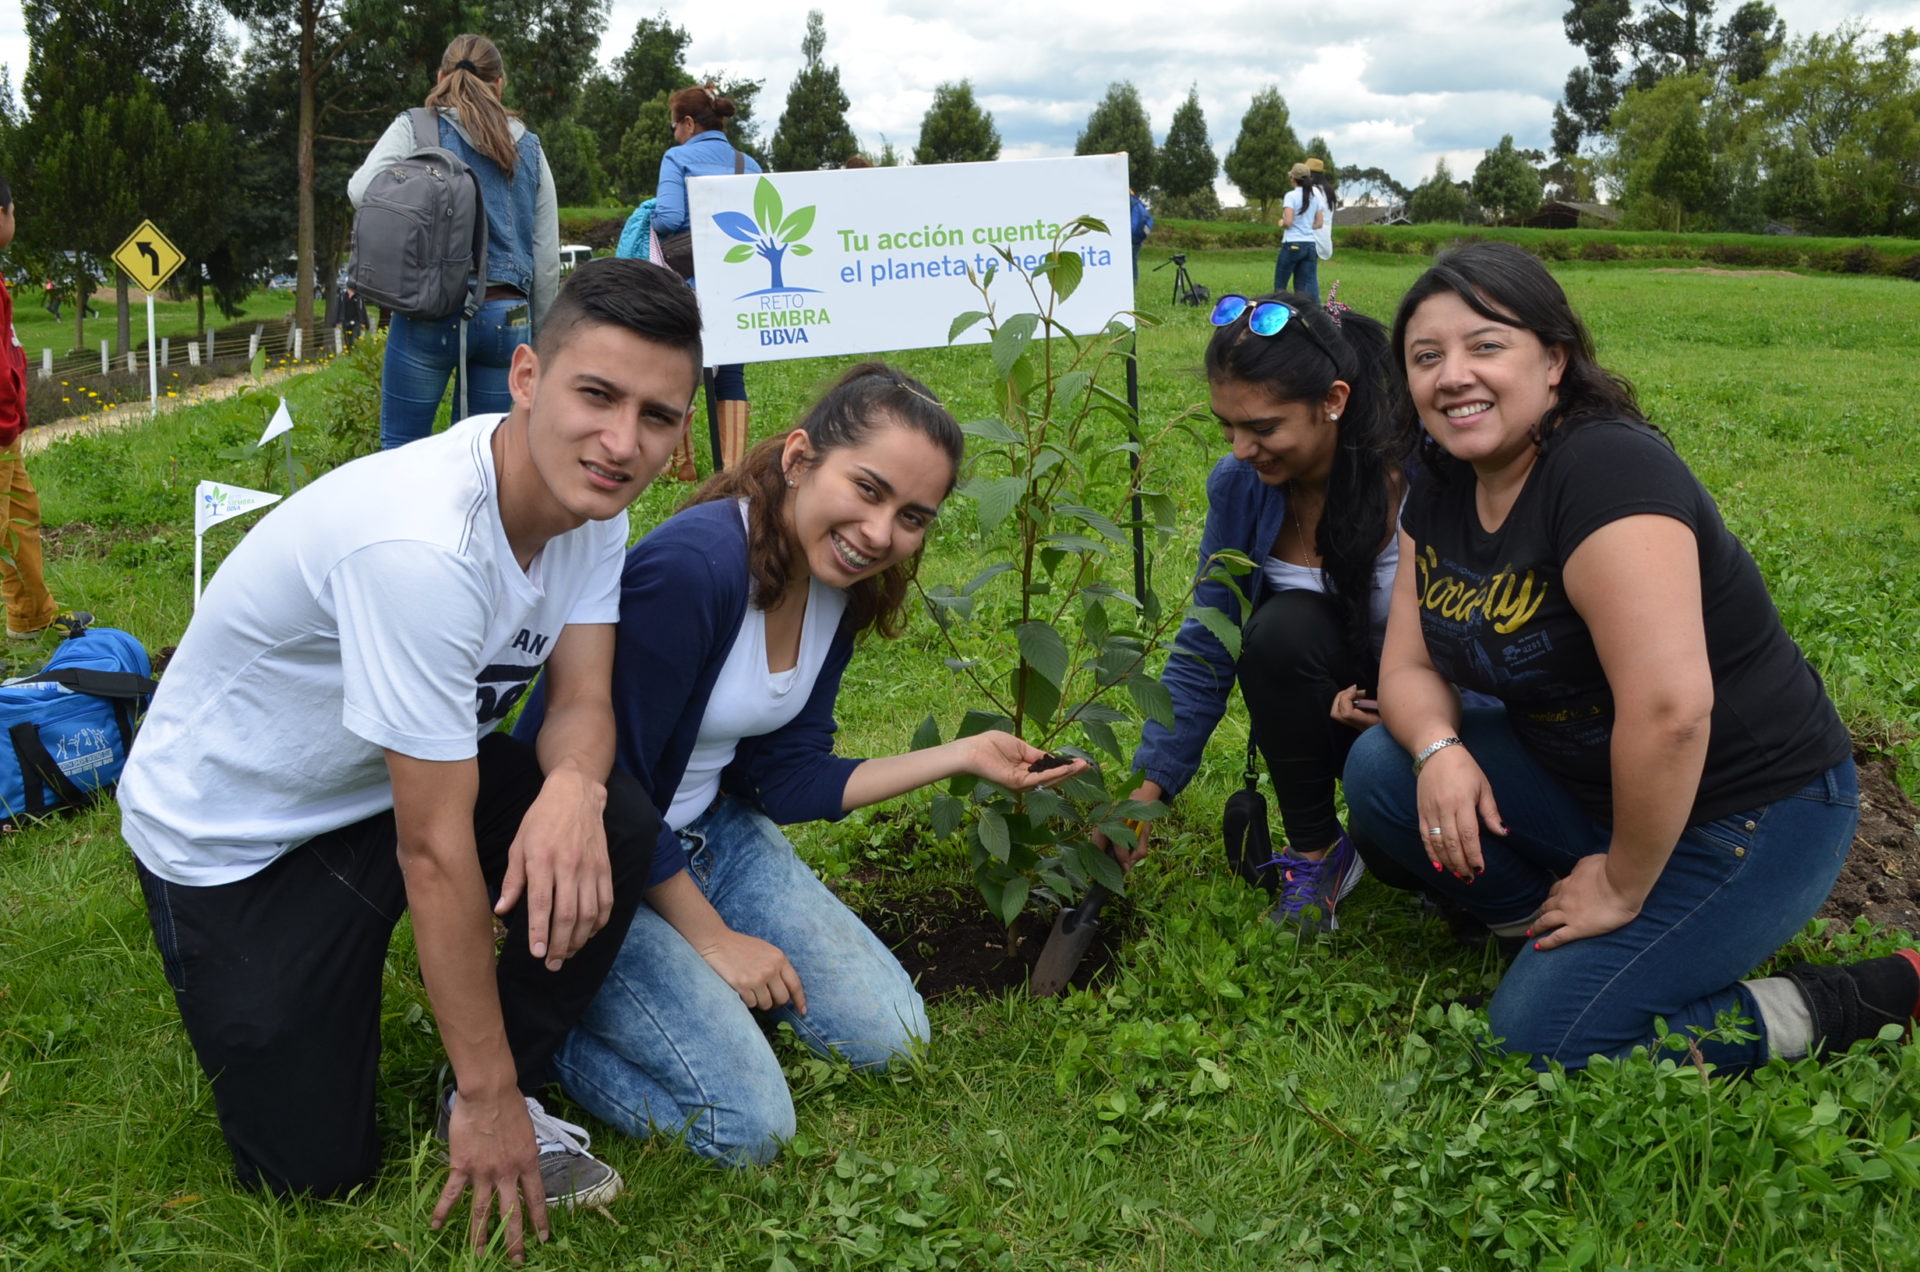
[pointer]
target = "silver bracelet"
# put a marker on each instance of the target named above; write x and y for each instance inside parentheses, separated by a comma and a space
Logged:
(1433, 749)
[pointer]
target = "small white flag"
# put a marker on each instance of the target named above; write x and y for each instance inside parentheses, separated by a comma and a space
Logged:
(215, 502)
(280, 423)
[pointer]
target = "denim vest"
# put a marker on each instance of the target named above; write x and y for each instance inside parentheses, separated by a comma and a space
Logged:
(509, 206)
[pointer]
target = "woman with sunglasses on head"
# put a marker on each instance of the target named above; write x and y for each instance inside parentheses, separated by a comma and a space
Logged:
(1680, 790)
(1309, 491)
(737, 618)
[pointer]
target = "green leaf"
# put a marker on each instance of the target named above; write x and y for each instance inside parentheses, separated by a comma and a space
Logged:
(796, 226)
(1098, 711)
(1099, 523)
(1107, 871)
(1042, 695)
(1043, 805)
(980, 721)
(737, 253)
(259, 364)
(1152, 698)
(963, 322)
(801, 249)
(996, 496)
(927, 735)
(1013, 899)
(947, 814)
(979, 580)
(989, 430)
(1224, 629)
(1011, 341)
(1072, 386)
(767, 211)
(1102, 736)
(993, 834)
(1043, 647)
(1068, 269)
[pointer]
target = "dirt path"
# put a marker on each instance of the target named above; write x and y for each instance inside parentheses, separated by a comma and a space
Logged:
(135, 413)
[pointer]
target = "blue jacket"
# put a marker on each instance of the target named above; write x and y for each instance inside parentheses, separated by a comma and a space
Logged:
(683, 597)
(707, 154)
(1244, 514)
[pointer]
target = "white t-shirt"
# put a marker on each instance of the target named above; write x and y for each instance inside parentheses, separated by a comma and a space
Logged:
(378, 609)
(1282, 574)
(749, 701)
(1301, 231)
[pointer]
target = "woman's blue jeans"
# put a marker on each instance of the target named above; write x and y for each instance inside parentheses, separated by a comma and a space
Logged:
(1297, 269)
(668, 1046)
(1734, 891)
(422, 356)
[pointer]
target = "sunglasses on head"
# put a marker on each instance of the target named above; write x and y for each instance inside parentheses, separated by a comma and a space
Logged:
(1265, 318)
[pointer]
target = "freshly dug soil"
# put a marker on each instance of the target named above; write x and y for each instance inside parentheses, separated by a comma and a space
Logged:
(948, 943)
(1882, 876)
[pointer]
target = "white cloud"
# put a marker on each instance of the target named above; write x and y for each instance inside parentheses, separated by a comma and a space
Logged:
(1393, 85)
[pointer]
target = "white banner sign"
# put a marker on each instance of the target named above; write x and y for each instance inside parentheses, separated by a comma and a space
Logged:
(808, 264)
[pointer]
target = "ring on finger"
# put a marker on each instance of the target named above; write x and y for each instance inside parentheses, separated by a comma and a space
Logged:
(1437, 831)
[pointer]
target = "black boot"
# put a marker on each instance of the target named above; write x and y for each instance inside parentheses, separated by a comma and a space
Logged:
(1855, 1001)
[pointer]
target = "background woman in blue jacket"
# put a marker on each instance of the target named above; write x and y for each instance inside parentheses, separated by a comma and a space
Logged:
(737, 618)
(701, 149)
(523, 247)
(1310, 493)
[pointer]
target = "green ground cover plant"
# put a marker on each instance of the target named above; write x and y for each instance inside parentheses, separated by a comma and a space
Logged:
(1229, 1097)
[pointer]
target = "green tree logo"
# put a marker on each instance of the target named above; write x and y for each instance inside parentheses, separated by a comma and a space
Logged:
(769, 234)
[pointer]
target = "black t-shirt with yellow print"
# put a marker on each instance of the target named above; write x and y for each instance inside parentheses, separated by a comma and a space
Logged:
(1497, 619)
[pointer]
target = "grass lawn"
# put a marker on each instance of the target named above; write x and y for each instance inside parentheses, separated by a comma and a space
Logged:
(1229, 1097)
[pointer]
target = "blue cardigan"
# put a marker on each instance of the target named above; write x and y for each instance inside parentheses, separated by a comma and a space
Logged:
(1244, 514)
(707, 154)
(683, 597)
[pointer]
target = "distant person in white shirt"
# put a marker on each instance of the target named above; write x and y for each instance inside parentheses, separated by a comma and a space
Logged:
(321, 757)
(1302, 213)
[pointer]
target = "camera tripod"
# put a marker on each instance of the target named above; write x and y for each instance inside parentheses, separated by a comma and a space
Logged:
(1185, 290)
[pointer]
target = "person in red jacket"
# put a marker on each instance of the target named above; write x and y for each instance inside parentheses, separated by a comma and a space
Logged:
(30, 606)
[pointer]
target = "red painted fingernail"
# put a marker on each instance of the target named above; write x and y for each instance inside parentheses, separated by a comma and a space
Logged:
(1528, 932)
(1436, 865)
(1536, 945)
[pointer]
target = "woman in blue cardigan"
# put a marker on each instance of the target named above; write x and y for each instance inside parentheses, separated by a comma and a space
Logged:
(737, 618)
(1309, 491)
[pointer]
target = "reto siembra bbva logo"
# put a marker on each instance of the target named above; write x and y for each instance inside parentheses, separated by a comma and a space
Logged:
(769, 234)
(783, 313)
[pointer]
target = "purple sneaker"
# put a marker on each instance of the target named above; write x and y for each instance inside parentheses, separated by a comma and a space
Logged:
(1311, 891)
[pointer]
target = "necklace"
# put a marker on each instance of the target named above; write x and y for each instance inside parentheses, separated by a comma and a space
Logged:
(1306, 544)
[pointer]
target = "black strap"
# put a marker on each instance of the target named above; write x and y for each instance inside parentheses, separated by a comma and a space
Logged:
(1252, 775)
(739, 163)
(101, 684)
(38, 769)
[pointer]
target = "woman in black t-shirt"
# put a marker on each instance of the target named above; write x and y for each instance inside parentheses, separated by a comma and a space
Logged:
(1681, 792)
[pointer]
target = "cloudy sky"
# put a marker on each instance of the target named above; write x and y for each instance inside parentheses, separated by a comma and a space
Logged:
(1394, 84)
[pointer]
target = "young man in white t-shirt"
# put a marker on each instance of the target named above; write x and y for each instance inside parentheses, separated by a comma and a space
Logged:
(321, 757)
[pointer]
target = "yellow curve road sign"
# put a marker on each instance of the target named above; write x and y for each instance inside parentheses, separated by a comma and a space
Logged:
(148, 257)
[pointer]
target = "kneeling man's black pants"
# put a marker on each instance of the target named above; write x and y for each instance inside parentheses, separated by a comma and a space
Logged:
(278, 975)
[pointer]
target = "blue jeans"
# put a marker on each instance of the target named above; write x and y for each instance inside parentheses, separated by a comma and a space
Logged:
(422, 355)
(1734, 891)
(668, 1046)
(1297, 269)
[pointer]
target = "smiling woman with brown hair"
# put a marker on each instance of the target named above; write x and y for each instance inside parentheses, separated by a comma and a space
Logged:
(1667, 795)
(738, 616)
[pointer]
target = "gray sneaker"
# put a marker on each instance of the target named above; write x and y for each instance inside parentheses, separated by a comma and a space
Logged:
(574, 1177)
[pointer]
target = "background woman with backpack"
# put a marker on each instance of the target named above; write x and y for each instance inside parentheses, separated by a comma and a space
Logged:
(701, 149)
(523, 247)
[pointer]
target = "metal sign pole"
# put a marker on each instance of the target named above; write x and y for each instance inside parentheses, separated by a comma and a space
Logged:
(153, 363)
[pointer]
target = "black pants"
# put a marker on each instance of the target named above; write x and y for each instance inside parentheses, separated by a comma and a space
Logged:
(278, 975)
(1293, 660)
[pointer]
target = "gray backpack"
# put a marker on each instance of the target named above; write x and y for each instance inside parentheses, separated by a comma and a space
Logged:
(420, 234)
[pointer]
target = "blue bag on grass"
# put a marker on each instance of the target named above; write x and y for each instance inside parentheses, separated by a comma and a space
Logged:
(65, 730)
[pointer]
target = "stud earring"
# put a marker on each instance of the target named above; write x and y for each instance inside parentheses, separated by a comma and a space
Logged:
(1333, 415)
